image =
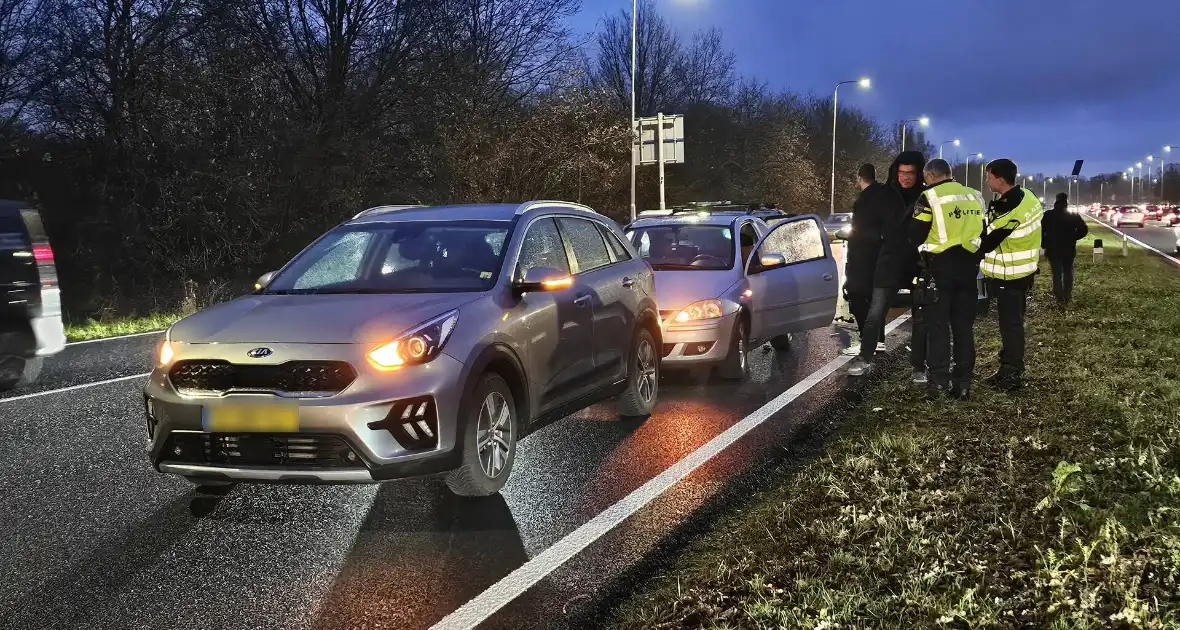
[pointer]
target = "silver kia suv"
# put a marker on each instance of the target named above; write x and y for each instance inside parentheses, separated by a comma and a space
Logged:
(409, 341)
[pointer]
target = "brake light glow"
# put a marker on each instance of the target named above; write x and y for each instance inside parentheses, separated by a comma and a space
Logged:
(43, 253)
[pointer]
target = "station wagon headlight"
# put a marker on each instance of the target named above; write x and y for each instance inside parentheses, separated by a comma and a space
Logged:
(705, 309)
(420, 345)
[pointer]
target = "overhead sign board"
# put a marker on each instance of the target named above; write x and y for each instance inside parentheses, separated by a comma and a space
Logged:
(670, 129)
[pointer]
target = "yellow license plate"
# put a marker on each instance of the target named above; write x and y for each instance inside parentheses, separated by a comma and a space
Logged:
(250, 418)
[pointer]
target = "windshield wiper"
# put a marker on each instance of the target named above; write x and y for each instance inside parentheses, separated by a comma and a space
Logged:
(682, 267)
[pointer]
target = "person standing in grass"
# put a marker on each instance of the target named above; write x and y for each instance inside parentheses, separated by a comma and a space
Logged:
(1061, 231)
(1010, 252)
(945, 230)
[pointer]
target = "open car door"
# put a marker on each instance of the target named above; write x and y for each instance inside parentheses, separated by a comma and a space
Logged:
(793, 278)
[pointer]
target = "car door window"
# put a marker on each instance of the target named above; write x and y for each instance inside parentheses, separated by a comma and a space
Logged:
(798, 241)
(749, 238)
(542, 248)
(586, 241)
(618, 251)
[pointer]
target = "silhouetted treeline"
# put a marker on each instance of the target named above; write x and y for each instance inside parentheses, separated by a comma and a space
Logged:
(182, 147)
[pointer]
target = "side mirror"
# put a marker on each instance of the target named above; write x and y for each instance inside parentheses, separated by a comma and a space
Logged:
(772, 261)
(543, 279)
(264, 280)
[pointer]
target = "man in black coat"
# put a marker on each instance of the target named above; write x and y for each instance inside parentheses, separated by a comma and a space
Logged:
(872, 209)
(1060, 232)
(897, 265)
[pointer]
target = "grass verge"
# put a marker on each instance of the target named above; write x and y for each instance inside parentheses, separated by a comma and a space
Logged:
(128, 326)
(1056, 507)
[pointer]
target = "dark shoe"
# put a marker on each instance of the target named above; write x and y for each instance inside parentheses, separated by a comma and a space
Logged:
(961, 391)
(1009, 384)
(919, 377)
(934, 391)
(994, 379)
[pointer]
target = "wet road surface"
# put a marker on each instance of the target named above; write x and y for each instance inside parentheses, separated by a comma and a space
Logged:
(92, 362)
(1154, 234)
(96, 539)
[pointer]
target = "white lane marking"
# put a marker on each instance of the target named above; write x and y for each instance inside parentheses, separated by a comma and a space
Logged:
(481, 607)
(143, 334)
(1136, 241)
(74, 387)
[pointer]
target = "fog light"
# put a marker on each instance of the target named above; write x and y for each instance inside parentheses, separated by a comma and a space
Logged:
(697, 349)
(351, 456)
(176, 450)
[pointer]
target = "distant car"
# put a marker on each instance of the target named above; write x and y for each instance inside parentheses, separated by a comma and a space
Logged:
(409, 341)
(1169, 217)
(839, 226)
(1152, 213)
(728, 283)
(1105, 212)
(31, 325)
(1129, 216)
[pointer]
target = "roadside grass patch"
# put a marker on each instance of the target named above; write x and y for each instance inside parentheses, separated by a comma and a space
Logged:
(1057, 507)
(93, 329)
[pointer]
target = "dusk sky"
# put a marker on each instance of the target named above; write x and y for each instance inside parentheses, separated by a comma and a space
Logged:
(1043, 82)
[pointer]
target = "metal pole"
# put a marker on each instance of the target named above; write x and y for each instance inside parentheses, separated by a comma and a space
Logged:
(835, 98)
(660, 154)
(903, 135)
(981, 176)
(634, 128)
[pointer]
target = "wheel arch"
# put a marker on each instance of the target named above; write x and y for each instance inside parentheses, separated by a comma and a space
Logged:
(501, 360)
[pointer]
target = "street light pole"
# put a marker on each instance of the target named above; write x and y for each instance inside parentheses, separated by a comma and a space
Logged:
(1163, 163)
(1045, 186)
(967, 170)
(924, 121)
(946, 142)
(864, 83)
(634, 130)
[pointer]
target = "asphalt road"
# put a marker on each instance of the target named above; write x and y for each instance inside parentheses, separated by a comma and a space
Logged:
(1158, 236)
(92, 537)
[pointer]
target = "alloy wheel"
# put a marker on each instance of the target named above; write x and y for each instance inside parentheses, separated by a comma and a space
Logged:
(494, 434)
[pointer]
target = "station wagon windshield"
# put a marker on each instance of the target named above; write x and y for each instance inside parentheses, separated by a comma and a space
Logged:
(399, 257)
(687, 247)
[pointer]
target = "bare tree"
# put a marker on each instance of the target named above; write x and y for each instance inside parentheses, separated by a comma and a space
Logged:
(25, 57)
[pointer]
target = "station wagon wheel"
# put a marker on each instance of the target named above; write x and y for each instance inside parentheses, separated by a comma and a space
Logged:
(736, 364)
(488, 435)
(643, 378)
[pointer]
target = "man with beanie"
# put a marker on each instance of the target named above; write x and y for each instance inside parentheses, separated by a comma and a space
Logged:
(1060, 232)
(897, 265)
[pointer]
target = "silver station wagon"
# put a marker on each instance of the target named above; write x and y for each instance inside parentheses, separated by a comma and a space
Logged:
(727, 282)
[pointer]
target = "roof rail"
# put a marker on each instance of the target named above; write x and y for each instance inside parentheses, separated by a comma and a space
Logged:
(549, 203)
(382, 209)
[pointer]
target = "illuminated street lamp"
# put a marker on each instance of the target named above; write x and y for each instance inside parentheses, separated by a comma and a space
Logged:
(1163, 164)
(1139, 165)
(865, 84)
(924, 121)
(954, 142)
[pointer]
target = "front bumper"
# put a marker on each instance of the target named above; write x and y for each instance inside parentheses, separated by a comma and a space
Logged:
(366, 453)
(698, 343)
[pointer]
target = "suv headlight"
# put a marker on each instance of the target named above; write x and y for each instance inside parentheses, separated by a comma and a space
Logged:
(166, 353)
(420, 345)
(705, 309)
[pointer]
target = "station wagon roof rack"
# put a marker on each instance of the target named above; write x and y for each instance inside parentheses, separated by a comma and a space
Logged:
(384, 209)
(549, 203)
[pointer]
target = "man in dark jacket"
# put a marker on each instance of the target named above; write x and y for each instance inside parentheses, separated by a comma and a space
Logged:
(1060, 232)
(897, 264)
(872, 209)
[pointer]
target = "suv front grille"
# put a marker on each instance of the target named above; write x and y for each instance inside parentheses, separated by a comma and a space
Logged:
(293, 377)
(299, 450)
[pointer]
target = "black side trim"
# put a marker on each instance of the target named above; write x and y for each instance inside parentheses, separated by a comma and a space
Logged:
(576, 405)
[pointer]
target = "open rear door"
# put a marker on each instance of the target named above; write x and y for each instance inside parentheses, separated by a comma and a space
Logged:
(793, 278)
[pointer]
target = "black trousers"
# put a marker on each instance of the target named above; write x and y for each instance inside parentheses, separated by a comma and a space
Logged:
(874, 327)
(1011, 304)
(858, 305)
(952, 316)
(919, 334)
(1062, 266)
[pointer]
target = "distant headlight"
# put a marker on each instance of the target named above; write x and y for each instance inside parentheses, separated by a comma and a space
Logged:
(705, 309)
(419, 345)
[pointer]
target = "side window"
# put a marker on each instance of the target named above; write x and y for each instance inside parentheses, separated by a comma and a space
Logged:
(586, 242)
(748, 237)
(542, 248)
(616, 246)
(797, 241)
(341, 263)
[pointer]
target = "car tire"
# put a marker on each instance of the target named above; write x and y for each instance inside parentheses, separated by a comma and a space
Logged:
(15, 367)
(782, 343)
(490, 412)
(643, 378)
(736, 365)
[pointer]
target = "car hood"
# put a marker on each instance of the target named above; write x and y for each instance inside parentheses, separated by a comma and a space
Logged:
(677, 289)
(315, 318)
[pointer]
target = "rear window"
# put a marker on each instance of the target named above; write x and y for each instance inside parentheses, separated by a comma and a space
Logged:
(12, 233)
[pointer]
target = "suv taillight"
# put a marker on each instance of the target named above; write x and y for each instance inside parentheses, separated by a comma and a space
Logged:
(43, 253)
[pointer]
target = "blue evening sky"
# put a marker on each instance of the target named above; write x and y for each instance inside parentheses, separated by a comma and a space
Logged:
(1043, 82)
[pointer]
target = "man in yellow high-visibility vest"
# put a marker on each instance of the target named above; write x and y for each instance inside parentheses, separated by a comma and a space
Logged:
(1010, 251)
(945, 229)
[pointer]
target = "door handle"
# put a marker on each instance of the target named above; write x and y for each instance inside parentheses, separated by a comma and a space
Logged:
(827, 276)
(628, 282)
(582, 300)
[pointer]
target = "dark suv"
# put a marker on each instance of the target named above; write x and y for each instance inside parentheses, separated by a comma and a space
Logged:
(30, 303)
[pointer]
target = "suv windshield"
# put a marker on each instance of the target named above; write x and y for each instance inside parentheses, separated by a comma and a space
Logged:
(399, 257)
(691, 247)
